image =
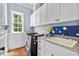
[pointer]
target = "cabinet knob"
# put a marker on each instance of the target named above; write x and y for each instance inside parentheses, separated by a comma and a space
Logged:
(57, 19)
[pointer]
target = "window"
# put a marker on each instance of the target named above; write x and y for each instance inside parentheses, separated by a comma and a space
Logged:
(17, 22)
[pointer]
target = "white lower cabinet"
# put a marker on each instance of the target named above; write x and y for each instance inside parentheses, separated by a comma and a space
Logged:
(15, 40)
(52, 52)
(49, 52)
(58, 50)
(41, 47)
(50, 49)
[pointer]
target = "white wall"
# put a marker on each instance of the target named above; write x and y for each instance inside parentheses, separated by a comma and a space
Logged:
(2, 21)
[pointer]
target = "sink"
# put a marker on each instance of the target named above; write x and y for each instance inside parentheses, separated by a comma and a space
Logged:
(62, 41)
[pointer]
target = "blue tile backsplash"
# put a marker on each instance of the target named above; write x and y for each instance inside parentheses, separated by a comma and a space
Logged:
(66, 30)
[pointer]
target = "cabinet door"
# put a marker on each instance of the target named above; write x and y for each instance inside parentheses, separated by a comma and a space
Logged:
(68, 11)
(52, 12)
(58, 50)
(15, 40)
(43, 48)
(37, 17)
(32, 20)
(51, 50)
(39, 46)
(43, 14)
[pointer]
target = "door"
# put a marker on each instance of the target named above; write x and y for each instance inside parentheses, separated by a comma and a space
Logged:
(52, 12)
(37, 15)
(55, 50)
(68, 11)
(39, 46)
(43, 14)
(15, 40)
(43, 48)
(32, 20)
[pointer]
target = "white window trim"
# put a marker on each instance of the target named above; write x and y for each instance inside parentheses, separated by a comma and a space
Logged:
(12, 21)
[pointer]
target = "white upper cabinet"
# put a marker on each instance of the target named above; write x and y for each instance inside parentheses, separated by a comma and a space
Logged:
(37, 15)
(68, 11)
(52, 12)
(32, 19)
(43, 14)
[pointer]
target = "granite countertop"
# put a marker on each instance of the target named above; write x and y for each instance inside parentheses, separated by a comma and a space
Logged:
(74, 49)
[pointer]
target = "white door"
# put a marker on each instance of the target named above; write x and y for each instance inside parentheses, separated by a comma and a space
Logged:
(15, 40)
(55, 50)
(49, 52)
(68, 11)
(43, 14)
(51, 49)
(33, 20)
(43, 48)
(39, 46)
(52, 12)
(37, 15)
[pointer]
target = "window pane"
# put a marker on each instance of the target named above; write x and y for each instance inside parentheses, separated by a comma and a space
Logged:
(15, 20)
(20, 29)
(20, 25)
(15, 25)
(20, 17)
(20, 21)
(15, 15)
(15, 29)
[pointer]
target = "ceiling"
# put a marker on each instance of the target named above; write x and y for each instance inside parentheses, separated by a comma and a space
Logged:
(32, 4)
(29, 5)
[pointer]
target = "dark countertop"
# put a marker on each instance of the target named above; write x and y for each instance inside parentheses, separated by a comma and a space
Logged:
(35, 34)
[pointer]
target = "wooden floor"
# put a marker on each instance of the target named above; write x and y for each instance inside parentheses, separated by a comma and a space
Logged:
(18, 52)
